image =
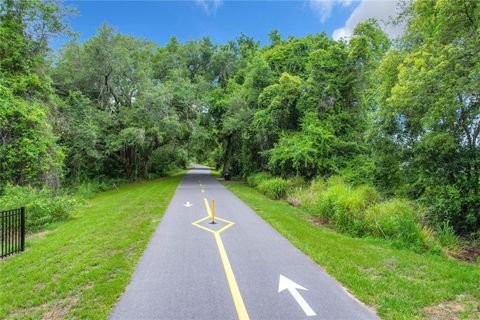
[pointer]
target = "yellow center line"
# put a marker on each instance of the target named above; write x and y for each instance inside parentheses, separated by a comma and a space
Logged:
(237, 297)
(232, 283)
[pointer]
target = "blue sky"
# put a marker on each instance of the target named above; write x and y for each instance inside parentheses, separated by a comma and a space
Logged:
(221, 20)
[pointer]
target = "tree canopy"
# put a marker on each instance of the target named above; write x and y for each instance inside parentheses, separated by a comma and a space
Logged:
(402, 115)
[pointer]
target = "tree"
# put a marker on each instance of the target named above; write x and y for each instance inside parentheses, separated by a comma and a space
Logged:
(28, 150)
(429, 109)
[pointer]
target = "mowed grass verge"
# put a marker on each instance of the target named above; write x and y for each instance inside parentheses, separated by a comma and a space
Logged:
(80, 267)
(398, 284)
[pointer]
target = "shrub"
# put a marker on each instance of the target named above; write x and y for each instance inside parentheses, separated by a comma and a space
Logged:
(446, 235)
(297, 182)
(296, 197)
(358, 210)
(395, 219)
(318, 185)
(255, 179)
(454, 204)
(275, 188)
(323, 203)
(42, 207)
(343, 205)
(305, 195)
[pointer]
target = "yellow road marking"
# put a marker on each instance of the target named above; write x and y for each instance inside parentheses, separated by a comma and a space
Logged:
(197, 224)
(226, 227)
(232, 283)
(237, 297)
(207, 206)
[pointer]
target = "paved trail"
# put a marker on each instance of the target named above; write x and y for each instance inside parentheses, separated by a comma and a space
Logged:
(233, 269)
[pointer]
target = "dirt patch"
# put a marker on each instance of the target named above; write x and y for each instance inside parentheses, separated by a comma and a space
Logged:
(88, 286)
(58, 310)
(467, 254)
(460, 308)
(390, 264)
(149, 204)
(319, 222)
(294, 201)
(38, 234)
(371, 273)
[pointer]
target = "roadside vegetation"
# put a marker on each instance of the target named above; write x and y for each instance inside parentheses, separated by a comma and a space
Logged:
(375, 137)
(397, 282)
(398, 120)
(361, 211)
(78, 268)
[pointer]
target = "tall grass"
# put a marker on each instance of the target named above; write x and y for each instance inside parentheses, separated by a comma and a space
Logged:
(275, 187)
(358, 211)
(343, 205)
(255, 179)
(396, 219)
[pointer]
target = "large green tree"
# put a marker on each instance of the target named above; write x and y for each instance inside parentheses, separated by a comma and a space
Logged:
(428, 118)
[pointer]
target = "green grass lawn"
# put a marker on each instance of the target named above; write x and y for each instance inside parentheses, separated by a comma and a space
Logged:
(398, 284)
(79, 268)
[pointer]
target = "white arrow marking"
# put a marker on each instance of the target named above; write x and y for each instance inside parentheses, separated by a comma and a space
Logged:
(293, 287)
(188, 204)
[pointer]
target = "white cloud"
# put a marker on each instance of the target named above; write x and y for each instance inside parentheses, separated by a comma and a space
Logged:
(382, 10)
(210, 6)
(323, 8)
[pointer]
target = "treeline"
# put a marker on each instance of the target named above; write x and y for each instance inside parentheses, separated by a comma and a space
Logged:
(401, 116)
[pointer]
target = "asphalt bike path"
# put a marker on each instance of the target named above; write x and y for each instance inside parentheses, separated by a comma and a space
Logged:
(238, 268)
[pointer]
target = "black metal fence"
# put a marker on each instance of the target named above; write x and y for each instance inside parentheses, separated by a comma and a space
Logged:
(12, 231)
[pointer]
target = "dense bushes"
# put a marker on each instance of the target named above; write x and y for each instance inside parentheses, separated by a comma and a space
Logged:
(394, 219)
(255, 179)
(42, 207)
(401, 116)
(274, 188)
(343, 205)
(359, 211)
(28, 152)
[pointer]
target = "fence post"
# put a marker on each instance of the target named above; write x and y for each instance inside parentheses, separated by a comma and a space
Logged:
(22, 229)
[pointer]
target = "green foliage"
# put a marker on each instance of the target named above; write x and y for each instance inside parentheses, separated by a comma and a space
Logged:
(401, 283)
(427, 123)
(395, 219)
(445, 234)
(275, 188)
(360, 211)
(42, 207)
(89, 258)
(308, 152)
(255, 179)
(87, 189)
(344, 206)
(297, 182)
(28, 152)
(401, 116)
